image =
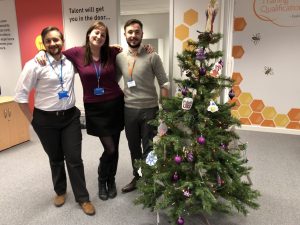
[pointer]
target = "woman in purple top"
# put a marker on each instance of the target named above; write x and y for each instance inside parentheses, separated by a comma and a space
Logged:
(103, 100)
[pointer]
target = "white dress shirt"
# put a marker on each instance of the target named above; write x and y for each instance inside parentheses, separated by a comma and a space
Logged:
(45, 80)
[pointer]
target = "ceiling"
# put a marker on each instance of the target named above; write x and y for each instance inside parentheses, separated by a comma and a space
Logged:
(133, 7)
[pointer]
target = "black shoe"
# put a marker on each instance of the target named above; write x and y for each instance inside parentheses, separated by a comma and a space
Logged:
(112, 189)
(103, 194)
(131, 186)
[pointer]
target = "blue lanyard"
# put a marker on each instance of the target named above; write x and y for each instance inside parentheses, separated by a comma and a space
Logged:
(98, 72)
(60, 77)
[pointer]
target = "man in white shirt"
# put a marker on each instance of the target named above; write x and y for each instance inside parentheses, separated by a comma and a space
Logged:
(55, 118)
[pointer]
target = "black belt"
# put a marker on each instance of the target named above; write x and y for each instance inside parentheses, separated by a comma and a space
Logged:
(56, 113)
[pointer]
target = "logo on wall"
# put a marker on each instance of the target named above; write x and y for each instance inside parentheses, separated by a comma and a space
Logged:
(282, 13)
(39, 43)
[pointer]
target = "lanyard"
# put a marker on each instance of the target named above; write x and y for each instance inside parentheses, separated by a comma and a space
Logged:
(60, 77)
(98, 72)
(130, 68)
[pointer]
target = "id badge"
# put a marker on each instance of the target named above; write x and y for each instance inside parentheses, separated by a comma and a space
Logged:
(63, 94)
(99, 91)
(131, 83)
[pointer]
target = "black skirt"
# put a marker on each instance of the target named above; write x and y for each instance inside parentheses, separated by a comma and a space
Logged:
(105, 118)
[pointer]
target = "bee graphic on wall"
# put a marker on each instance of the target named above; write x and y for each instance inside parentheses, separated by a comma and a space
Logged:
(256, 38)
(268, 70)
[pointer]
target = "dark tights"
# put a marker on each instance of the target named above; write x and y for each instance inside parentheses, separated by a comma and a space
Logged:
(109, 160)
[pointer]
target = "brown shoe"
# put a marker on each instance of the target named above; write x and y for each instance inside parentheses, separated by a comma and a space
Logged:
(88, 208)
(59, 200)
(131, 186)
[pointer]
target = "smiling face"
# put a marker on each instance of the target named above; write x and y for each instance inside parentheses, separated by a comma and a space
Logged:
(53, 43)
(97, 37)
(134, 35)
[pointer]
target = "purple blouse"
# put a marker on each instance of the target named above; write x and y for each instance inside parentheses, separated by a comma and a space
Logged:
(88, 76)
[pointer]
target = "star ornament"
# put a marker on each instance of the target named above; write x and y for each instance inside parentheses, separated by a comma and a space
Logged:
(212, 107)
(151, 159)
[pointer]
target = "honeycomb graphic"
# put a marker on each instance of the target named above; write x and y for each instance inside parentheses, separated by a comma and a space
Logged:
(251, 111)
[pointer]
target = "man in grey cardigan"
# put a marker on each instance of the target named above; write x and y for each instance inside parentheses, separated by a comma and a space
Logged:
(139, 70)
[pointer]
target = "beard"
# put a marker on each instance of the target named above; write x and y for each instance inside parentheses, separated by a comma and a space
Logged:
(136, 45)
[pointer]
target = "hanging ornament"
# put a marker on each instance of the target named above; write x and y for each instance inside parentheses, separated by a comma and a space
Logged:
(202, 71)
(151, 158)
(178, 92)
(187, 103)
(190, 156)
(231, 94)
(162, 129)
(217, 69)
(201, 140)
(180, 221)
(184, 91)
(187, 73)
(177, 159)
(187, 193)
(212, 107)
(200, 54)
(175, 177)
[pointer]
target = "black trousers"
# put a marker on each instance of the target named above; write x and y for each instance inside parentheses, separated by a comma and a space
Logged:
(60, 135)
(139, 133)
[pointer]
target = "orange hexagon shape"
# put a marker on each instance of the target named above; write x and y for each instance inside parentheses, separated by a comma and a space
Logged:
(281, 120)
(239, 23)
(269, 113)
(256, 118)
(237, 77)
(268, 123)
(237, 91)
(293, 125)
(244, 111)
(237, 51)
(245, 121)
(190, 17)
(245, 98)
(294, 114)
(181, 32)
(257, 105)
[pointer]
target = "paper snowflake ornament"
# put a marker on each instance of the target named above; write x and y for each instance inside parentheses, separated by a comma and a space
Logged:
(212, 107)
(151, 159)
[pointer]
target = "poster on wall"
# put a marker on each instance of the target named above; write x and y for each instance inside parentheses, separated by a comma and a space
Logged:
(266, 50)
(10, 62)
(78, 15)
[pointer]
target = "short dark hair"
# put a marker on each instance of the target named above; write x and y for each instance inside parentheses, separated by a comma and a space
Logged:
(46, 30)
(133, 21)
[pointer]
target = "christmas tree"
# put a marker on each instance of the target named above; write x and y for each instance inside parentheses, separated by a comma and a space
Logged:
(197, 164)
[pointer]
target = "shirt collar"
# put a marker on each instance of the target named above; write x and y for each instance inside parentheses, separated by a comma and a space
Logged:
(52, 60)
(140, 49)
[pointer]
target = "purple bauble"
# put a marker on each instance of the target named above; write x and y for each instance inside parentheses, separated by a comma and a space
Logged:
(201, 140)
(231, 94)
(184, 91)
(175, 177)
(177, 159)
(202, 71)
(180, 221)
(190, 157)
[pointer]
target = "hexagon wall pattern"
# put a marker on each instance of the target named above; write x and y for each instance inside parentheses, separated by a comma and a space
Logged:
(251, 111)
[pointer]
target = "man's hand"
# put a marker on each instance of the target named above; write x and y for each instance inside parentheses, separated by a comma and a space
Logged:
(40, 58)
(149, 48)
